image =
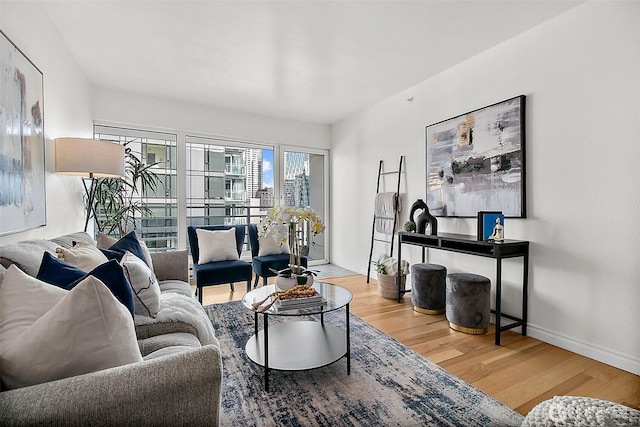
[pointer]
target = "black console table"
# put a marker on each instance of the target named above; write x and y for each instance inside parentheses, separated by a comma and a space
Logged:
(472, 246)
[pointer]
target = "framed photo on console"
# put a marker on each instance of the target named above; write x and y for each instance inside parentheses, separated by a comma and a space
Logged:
(476, 162)
(22, 180)
(490, 222)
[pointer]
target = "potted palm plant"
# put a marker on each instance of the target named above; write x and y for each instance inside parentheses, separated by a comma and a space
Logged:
(117, 203)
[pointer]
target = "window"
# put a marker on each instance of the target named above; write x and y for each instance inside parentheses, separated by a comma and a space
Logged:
(225, 182)
(160, 230)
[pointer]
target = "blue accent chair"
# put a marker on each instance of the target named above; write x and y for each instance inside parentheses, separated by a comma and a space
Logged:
(219, 272)
(262, 264)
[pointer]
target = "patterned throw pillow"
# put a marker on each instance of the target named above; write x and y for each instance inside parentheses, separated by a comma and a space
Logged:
(146, 290)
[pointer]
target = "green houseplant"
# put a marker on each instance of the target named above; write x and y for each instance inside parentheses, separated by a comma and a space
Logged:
(117, 202)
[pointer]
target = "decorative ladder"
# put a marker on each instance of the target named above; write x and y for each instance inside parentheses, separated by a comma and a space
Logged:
(395, 213)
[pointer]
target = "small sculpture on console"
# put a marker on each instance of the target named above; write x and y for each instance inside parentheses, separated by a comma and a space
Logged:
(424, 218)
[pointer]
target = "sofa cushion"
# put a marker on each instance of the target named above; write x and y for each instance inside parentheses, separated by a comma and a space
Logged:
(146, 291)
(23, 300)
(86, 331)
(26, 254)
(216, 245)
(176, 286)
(178, 313)
(167, 351)
(66, 276)
(183, 339)
(82, 255)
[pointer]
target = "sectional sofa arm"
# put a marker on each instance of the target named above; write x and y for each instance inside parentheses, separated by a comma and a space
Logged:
(178, 389)
(171, 265)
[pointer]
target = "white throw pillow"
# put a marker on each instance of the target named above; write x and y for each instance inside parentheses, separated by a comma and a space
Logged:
(269, 246)
(83, 255)
(146, 290)
(86, 331)
(216, 245)
(23, 300)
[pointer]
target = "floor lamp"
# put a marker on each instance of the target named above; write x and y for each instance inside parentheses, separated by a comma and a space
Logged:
(89, 159)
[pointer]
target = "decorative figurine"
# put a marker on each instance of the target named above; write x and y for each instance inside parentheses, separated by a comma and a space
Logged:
(498, 232)
(424, 218)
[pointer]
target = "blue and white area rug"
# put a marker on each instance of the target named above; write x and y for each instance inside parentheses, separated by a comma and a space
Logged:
(389, 385)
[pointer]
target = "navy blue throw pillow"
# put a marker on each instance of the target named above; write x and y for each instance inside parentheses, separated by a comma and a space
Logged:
(129, 243)
(64, 275)
(112, 254)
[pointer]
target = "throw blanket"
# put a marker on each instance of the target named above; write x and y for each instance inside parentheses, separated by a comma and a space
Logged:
(385, 212)
(181, 308)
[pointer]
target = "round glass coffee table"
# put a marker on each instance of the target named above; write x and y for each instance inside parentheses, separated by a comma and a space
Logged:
(301, 344)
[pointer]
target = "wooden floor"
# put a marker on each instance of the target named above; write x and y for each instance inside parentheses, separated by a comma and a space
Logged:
(520, 373)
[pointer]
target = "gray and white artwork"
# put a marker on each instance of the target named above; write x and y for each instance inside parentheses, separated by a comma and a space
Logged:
(475, 162)
(22, 187)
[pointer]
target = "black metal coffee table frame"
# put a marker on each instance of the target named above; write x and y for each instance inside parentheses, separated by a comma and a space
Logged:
(301, 344)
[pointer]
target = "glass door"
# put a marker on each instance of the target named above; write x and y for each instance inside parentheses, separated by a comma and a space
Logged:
(304, 183)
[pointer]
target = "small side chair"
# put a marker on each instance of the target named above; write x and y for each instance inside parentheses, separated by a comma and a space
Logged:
(263, 263)
(218, 272)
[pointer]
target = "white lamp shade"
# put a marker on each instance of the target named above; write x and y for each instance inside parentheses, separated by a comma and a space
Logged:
(89, 157)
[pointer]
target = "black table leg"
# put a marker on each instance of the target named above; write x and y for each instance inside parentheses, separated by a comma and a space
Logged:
(399, 275)
(525, 292)
(266, 352)
(348, 342)
(498, 294)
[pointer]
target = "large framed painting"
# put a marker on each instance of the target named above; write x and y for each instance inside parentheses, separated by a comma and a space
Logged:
(476, 162)
(22, 167)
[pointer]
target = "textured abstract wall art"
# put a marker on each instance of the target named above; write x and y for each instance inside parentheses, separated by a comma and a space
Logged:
(22, 181)
(476, 162)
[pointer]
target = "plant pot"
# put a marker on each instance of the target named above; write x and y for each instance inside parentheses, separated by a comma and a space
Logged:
(387, 286)
(305, 280)
(284, 283)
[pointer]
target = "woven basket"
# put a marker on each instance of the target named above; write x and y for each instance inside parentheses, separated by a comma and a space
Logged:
(387, 285)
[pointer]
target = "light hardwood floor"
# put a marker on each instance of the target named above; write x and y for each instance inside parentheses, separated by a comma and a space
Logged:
(520, 373)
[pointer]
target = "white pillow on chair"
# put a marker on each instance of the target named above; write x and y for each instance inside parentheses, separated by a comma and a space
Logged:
(269, 246)
(217, 245)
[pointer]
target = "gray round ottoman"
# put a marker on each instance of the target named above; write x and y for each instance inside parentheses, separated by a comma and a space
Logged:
(428, 288)
(468, 303)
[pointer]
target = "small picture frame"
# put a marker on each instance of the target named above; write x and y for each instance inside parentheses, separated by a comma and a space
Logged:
(488, 228)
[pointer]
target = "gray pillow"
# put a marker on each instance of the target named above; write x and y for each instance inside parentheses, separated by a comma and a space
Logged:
(2, 270)
(68, 240)
(27, 255)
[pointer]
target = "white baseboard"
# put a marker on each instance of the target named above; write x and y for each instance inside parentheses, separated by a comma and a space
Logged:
(612, 358)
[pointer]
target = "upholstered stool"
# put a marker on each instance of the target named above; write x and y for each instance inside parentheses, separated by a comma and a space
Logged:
(429, 285)
(468, 306)
(565, 411)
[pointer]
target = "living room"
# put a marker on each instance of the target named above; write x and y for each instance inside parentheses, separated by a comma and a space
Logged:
(579, 72)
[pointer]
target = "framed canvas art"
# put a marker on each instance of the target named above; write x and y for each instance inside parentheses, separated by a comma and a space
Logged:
(476, 162)
(22, 179)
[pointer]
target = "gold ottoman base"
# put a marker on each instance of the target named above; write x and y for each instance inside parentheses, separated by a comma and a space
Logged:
(427, 311)
(472, 331)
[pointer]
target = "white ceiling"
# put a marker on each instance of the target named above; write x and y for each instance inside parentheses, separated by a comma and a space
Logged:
(314, 61)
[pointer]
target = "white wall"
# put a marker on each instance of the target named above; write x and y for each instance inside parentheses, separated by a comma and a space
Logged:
(119, 107)
(581, 75)
(66, 109)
